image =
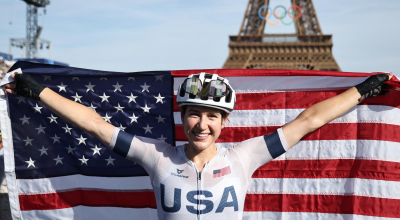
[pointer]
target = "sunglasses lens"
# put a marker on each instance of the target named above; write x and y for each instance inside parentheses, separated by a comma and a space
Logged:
(217, 88)
(214, 88)
(192, 86)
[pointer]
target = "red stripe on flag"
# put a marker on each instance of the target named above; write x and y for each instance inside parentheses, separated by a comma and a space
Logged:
(335, 131)
(293, 100)
(323, 204)
(267, 72)
(96, 198)
(339, 168)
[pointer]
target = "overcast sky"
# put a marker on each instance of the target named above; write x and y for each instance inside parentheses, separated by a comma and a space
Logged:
(140, 35)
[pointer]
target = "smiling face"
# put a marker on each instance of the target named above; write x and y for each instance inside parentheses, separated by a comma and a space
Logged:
(202, 126)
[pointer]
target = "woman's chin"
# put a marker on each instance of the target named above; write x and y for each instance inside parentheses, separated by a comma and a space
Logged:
(201, 145)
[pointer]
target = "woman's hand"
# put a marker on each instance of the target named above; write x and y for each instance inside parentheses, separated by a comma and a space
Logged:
(10, 87)
(373, 86)
(25, 85)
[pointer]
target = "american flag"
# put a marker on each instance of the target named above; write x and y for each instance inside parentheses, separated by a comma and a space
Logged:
(222, 172)
(348, 169)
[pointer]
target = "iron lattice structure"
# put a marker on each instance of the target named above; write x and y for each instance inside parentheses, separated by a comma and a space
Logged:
(32, 28)
(31, 31)
(308, 48)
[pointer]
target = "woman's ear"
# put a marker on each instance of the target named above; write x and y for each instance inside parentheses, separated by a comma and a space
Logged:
(224, 120)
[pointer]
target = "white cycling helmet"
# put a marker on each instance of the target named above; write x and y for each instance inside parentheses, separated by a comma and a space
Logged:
(207, 89)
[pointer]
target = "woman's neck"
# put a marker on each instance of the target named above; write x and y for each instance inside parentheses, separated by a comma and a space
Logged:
(200, 158)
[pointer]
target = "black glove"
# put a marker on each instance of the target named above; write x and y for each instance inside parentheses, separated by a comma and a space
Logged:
(27, 86)
(372, 86)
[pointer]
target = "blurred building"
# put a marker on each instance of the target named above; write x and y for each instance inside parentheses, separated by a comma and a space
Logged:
(306, 49)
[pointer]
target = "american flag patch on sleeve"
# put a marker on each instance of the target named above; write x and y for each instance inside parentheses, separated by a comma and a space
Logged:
(222, 172)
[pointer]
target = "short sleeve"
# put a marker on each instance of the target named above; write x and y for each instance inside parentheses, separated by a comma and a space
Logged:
(144, 151)
(257, 151)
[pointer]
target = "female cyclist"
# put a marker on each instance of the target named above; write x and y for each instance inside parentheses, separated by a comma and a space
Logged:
(200, 180)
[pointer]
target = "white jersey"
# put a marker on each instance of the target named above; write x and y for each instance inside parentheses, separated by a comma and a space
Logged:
(182, 192)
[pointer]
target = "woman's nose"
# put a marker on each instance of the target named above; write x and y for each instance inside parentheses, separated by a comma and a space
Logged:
(203, 123)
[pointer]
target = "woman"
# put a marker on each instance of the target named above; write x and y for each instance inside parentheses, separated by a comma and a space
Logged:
(198, 179)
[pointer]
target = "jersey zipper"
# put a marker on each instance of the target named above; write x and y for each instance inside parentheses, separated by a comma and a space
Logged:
(198, 190)
(199, 216)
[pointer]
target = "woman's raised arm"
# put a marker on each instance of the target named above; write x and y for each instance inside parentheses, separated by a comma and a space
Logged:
(323, 112)
(75, 113)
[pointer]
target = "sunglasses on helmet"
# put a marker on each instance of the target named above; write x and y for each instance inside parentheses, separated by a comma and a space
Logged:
(211, 88)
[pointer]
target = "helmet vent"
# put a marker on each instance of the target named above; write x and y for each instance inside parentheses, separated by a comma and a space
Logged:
(181, 92)
(228, 97)
(217, 99)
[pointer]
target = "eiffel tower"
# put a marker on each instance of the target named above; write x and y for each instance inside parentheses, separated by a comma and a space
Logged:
(307, 49)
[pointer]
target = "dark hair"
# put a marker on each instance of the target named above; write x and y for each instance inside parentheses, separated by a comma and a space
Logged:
(183, 112)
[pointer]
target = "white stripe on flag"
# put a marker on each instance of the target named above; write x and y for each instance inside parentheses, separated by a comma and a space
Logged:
(306, 215)
(326, 186)
(247, 84)
(50, 185)
(85, 212)
(279, 117)
(337, 149)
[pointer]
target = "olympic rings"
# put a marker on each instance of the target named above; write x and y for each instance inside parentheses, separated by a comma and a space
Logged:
(261, 8)
(283, 15)
(287, 23)
(274, 13)
(300, 12)
(280, 6)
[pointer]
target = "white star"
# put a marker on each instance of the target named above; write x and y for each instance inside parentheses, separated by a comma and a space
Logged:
(119, 108)
(55, 139)
(81, 140)
(77, 97)
(133, 118)
(89, 87)
(58, 159)
(70, 149)
(52, 118)
(47, 78)
(40, 129)
(24, 120)
(110, 161)
(28, 141)
(83, 160)
(145, 87)
(30, 162)
(104, 97)
(132, 98)
(159, 77)
(159, 98)
(96, 150)
(146, 109)
(37, 109)
(43, 151)
(121, 128)
(107, 118)
(21, 99)
(162, 138)
(160, 119)
(131, 78)
(117, 87)
(92, 107)
(148, 129)
(103, 78)
(75, 78)
(62, 87)
(67, 129)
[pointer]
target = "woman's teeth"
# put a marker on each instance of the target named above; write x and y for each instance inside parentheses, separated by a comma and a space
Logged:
(201, 135)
